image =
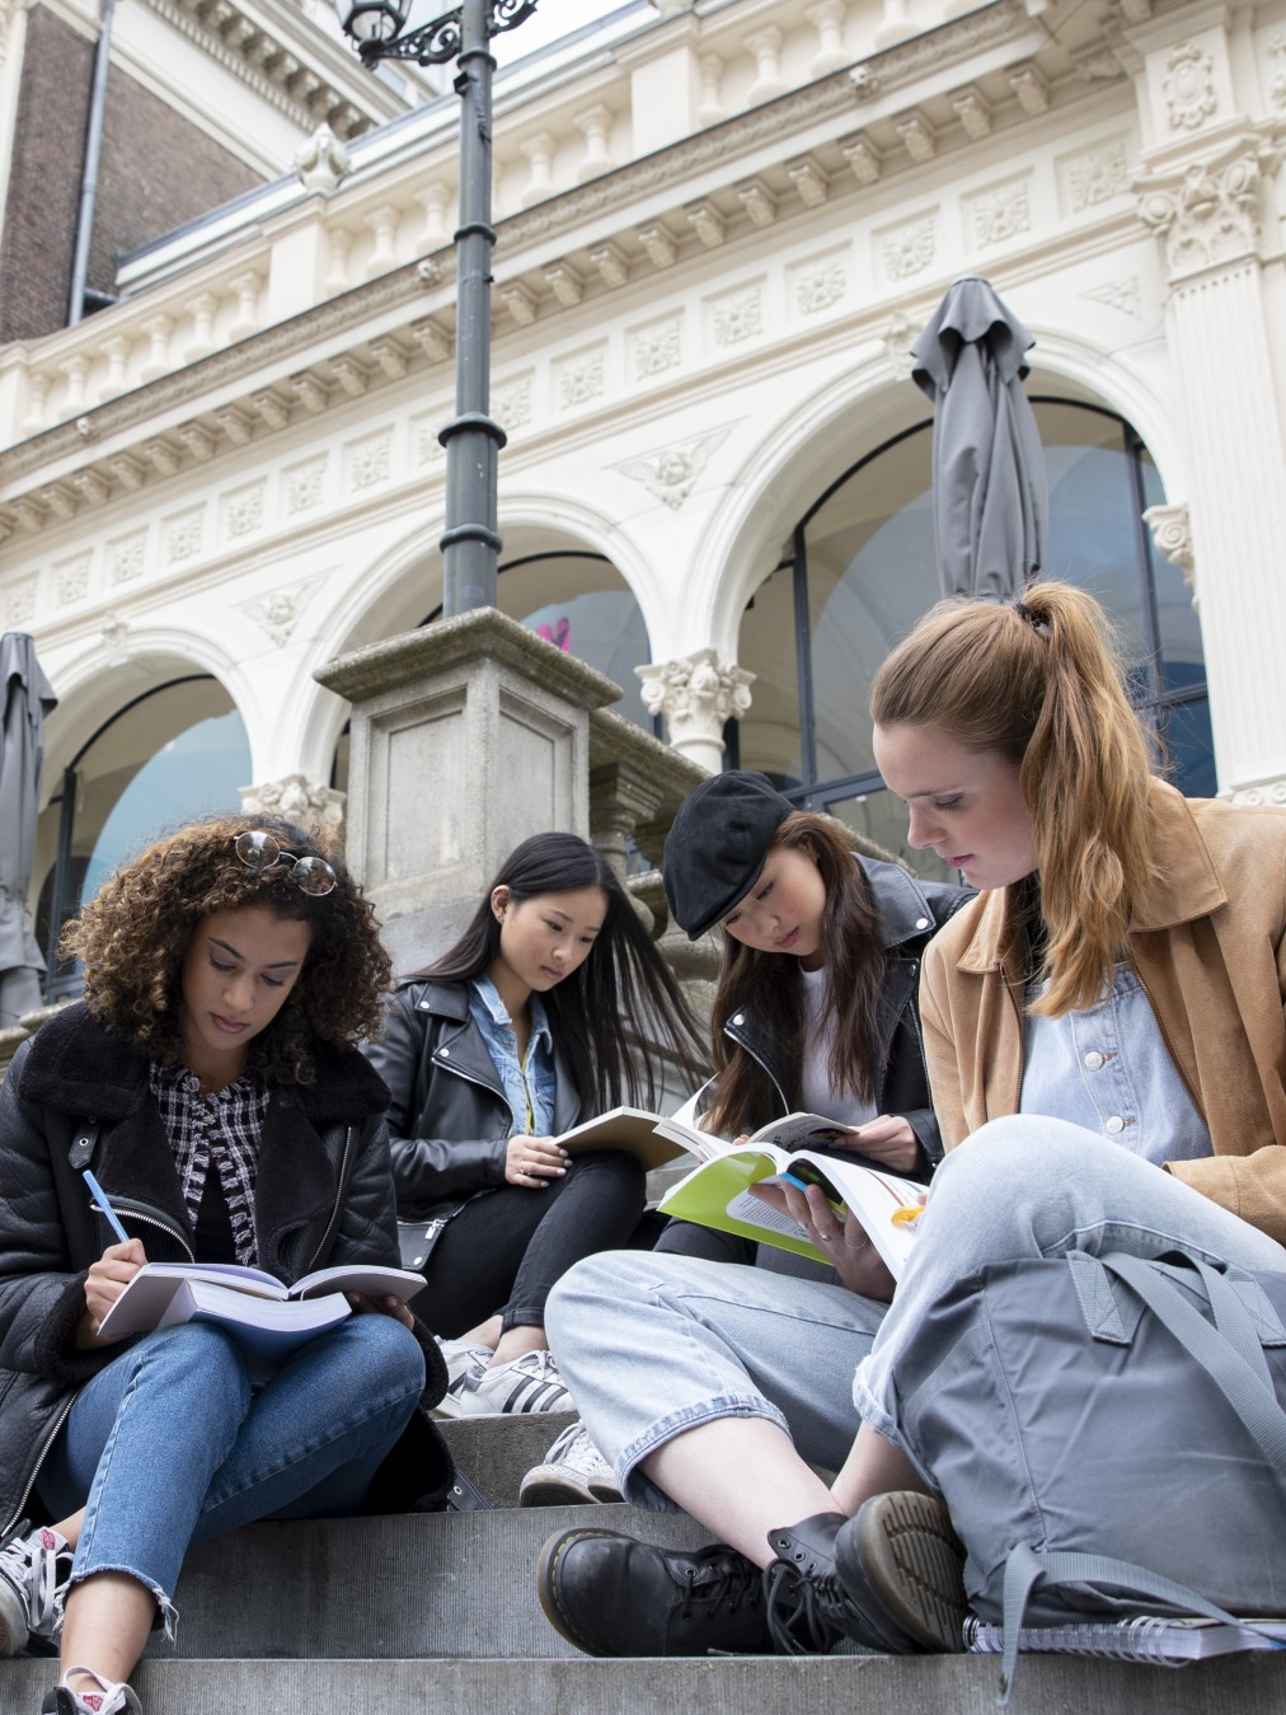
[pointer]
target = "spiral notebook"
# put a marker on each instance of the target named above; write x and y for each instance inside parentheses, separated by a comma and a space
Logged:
(1148, 1637)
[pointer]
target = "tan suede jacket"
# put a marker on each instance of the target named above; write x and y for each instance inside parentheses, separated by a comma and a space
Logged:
(1209, 945)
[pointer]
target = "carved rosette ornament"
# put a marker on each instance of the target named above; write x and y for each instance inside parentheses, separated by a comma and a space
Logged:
(318, 810)
(1189, 87)
(696, 696)
(1212, 214)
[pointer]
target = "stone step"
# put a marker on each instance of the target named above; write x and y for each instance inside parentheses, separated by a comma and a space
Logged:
(948, 1685)
(496, 1452)
(432, 1584)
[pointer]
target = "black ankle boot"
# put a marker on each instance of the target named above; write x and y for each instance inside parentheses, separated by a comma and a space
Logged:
(899, 1559)
(810, 1612)
(612, 1596)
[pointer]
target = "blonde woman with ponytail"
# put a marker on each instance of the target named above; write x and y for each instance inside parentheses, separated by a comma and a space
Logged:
(1104, 1036)
(1103, 1024)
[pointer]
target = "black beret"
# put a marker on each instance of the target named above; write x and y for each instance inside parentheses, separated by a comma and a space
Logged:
(715, 852)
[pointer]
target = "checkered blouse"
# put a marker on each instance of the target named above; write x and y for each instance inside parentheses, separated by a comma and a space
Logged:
(225, 1128)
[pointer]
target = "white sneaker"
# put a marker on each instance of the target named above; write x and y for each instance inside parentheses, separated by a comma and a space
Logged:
(31, 1590)
(465, 1365)
(528, 1383)
(106, 1697)
(573, 1472)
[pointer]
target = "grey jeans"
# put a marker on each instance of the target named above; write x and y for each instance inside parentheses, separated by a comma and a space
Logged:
(653, 1345)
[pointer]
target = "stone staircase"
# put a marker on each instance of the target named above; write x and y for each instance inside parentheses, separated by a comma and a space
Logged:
(435, 1613)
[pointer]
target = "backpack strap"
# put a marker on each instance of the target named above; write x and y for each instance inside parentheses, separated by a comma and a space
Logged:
(1025, 1569)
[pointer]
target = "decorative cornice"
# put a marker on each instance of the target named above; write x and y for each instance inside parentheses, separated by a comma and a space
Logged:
(271, 406)
(271, 77)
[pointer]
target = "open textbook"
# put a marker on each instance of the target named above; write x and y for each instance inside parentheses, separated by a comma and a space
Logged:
(1146, 1637)
(266, 1316)
(656, 1140)
(718, 1194)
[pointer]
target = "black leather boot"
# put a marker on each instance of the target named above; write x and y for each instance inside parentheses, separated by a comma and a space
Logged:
(612, 1596)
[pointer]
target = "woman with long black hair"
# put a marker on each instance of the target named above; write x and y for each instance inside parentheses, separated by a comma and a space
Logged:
(552, 1007)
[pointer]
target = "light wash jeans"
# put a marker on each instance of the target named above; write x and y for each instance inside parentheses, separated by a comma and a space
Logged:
(1028, 1187)
(653, 1345)
(171, 1444)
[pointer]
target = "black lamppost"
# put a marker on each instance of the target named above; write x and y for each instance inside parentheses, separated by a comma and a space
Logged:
(471, 541)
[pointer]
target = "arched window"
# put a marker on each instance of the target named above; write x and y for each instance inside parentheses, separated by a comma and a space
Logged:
(861, 570)
(176, 752)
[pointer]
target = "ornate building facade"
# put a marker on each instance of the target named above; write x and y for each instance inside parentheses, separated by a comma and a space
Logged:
(721, 224)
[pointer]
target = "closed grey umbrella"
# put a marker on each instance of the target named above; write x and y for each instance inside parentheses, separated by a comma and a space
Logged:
(27, 698)
(990, 490)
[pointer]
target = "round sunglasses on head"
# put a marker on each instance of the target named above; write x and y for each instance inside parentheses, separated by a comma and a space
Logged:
(261, 852)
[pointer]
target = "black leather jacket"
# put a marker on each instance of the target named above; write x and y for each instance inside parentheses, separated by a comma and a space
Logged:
(76, 1096)
(448, 1119)
(911, 912)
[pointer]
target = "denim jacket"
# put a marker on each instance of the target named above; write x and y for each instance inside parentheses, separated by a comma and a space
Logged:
(531, 1089)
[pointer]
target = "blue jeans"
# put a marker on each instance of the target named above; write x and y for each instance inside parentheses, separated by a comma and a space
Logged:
(171, 1443)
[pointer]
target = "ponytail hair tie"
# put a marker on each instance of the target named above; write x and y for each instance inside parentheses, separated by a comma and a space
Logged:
(1037, 622)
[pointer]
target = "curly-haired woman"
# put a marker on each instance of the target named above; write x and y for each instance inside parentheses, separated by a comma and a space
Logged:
(210, 1077)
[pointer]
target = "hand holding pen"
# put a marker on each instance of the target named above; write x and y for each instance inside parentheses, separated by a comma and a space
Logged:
(113, 1271)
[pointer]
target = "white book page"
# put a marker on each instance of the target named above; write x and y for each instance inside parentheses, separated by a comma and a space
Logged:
(371, 1278)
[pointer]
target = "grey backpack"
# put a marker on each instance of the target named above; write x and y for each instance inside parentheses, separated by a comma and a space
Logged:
(1109, 1437)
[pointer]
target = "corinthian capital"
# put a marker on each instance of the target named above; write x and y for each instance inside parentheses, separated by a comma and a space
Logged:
(1210, 212)
(696, 695)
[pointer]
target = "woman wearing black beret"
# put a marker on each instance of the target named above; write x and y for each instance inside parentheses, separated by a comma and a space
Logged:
(816, 1005)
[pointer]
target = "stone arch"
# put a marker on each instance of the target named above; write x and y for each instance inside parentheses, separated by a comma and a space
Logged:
(386, 599)
(856, 411)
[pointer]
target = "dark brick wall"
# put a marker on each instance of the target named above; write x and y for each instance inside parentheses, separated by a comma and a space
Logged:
(157, 172)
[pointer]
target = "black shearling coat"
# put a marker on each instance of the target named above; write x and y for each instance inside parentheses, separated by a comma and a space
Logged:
(76, 1096)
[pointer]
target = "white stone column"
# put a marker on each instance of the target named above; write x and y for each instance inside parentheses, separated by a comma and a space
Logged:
(1209, 214)
(696, 696)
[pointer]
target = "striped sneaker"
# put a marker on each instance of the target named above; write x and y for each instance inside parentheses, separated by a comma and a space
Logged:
(528, 1383)
(466, 1365)
(34, 1569)
(572, 1473)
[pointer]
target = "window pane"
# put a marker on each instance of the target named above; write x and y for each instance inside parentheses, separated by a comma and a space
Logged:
(582, 604)
(871, 574)
(881, 817)
(1093, 534)
(177, 755)
(1189, 747)
(766, 647)
(1182, 660)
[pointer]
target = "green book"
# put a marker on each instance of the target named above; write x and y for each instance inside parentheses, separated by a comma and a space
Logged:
(719, 1194)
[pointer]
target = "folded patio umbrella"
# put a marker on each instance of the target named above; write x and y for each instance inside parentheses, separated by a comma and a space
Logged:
(27, 698)
(990, 489)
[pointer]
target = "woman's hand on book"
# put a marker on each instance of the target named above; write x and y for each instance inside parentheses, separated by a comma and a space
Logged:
(842, 1239)
(364, 1305)
(534, 1161)
(887, 1139)
(104, 1283)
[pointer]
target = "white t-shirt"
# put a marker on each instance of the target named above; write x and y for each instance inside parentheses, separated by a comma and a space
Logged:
(818, 1095)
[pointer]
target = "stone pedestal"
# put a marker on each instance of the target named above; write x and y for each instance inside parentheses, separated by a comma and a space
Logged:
(467, 736)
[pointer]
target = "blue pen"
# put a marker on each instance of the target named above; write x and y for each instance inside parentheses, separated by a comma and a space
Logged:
(100, 1199)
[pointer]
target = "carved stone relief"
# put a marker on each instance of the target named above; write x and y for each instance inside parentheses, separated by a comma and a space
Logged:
(672, 472)
(511, 403)
(126, 557)
(305, 484)
(370, 460)
(1211, 214)
(656, 348)
(581, 378)
(736, 316)
(184, 536)
(426, 448)
(243, 509)
(1189, 87)
(277, 613)
(71, 579)
(999, 213)
(20, 603)
(905, 251)
(820, 285)
(1094, 175)
(1123, 295)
